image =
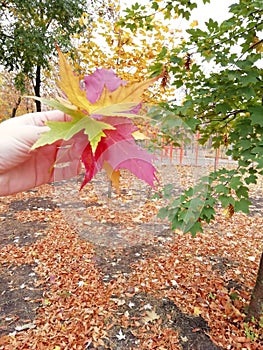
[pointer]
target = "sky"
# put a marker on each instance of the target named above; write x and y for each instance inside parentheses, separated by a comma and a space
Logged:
(216, 9)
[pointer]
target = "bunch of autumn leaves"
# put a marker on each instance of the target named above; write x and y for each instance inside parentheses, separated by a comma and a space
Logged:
(100, 122)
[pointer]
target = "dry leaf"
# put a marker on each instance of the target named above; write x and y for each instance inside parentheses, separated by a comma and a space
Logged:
(197, 311)
(150, 316)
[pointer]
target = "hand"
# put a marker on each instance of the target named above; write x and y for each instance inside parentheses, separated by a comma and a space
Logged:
(22, 168)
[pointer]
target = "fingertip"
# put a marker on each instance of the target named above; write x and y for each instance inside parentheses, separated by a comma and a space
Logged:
(55, 115)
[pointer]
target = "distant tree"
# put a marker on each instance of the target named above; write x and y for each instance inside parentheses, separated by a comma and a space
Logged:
(10, 98)
(29, 30)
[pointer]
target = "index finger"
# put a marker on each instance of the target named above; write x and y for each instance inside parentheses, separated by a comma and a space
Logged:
(40, 118)
(37, 119)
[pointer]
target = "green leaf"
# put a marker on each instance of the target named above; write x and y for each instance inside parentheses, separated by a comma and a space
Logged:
(257, 150)
(234, 296)
(221, 189)
(252, 179)
(162, 54)
(176, 202)
(208, 214)
(250, 77)
(242, 205)
(235, 182)
(155, 6)
(245, 144)
(197, 204)
(256, 115)
(226, 200)
(66, 130)
(194, 229)
(242, 191)
(163, 212)
(172, 216)
(246, 91)
(176, 59)
(222, 108)
(156, 69)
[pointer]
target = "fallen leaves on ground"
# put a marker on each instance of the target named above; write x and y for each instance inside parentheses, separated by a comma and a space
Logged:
(130, 295)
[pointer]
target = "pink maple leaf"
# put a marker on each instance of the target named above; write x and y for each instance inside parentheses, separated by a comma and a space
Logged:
(118, 147)
(95, 83)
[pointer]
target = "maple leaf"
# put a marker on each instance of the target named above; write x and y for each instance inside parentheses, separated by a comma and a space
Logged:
(120, 151)
(112, 96)
(106, 94)
(120, 335)
(121, 100)
(70, 84)
(66, 130)
(89, 162)
(96, 82)
(151, 316)
(113, 175)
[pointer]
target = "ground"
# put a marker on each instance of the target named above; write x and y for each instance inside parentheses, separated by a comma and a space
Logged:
(84, 271)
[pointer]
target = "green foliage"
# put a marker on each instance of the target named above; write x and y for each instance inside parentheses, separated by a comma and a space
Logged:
(197, 204)
(250, 332)
(139, 16)
(234, 296)
(172, 130)
(225, 105)
(212, 296)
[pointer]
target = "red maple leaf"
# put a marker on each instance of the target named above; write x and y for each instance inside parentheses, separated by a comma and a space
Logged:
(120, 150)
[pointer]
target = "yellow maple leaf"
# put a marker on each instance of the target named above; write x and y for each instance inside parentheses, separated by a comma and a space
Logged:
(113, 175)
(197, 311)
(229, 211)
(69, 83)
(122, 99)
(194, 24)
(139, 135)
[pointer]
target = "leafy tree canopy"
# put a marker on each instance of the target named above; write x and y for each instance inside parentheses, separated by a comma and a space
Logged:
(225, 104)
(106, 43)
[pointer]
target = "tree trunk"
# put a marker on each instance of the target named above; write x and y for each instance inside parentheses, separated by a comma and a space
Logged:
(13, 114)
(37, 88)
(255, 308)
